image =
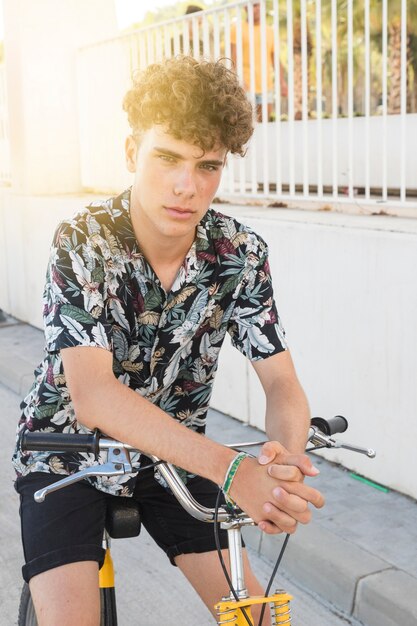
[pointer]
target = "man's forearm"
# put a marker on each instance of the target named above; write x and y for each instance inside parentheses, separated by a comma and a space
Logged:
(288, 416)
(124, 415)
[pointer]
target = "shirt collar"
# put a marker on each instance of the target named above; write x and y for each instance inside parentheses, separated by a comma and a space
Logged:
(200, 252)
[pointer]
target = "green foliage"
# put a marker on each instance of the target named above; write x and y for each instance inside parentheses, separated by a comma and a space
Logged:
(358, 29)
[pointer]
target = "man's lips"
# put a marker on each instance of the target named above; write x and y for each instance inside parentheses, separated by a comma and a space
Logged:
(178, 211)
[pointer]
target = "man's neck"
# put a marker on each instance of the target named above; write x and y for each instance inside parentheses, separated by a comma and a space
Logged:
(164, 254)
(165, 262)
(164, 251)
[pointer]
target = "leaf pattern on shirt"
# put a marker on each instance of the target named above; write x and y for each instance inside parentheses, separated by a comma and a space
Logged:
(101, 292)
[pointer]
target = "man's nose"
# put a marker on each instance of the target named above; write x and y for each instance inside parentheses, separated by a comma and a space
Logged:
(185, 184)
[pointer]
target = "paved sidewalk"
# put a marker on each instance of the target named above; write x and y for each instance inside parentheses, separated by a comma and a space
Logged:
(360, 553)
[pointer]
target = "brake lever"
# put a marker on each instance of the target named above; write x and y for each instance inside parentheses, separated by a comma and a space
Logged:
(369, 452)
(318, 438)
(117, 464)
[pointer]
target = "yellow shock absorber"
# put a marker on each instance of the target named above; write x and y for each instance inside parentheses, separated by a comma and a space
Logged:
(230, 612)
(281, 610)
(106, 573)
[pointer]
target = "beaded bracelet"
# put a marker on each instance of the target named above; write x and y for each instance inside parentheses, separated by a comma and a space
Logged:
(231, 473)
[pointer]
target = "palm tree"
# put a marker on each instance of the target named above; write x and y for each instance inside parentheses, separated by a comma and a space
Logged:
(412, 92)
(394, 51)
(298, 70)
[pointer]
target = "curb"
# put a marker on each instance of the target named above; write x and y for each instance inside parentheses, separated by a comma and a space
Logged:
(387, 598)
(357, 583)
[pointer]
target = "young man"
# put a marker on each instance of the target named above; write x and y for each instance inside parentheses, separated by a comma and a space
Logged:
(140, 292)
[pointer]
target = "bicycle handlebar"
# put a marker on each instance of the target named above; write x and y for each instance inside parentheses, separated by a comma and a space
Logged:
(118, 462)
(336, 424)
(62, 442)
(92, 443)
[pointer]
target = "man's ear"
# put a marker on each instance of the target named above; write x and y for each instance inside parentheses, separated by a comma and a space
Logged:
(131, 151)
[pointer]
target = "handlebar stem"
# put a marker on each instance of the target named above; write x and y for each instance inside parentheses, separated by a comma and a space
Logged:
(237, 574)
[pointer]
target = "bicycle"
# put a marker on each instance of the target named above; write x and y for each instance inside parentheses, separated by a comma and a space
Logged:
(123, 520)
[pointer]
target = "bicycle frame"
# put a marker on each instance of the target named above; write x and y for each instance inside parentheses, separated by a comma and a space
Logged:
(229, 611)
(108, 610)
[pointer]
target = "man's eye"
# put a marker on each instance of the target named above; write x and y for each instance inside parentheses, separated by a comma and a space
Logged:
(209, 167)
(167, 158)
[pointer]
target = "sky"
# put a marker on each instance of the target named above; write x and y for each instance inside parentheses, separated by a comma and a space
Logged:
(127, 11)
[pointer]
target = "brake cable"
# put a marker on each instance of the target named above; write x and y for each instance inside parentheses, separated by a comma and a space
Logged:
(226, 573)
(274, 572)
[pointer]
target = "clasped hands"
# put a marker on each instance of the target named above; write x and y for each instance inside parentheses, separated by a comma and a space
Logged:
(291, 496)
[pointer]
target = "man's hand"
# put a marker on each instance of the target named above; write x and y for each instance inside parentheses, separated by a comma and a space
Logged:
(291, 498)
(274, 452)
(274, 496)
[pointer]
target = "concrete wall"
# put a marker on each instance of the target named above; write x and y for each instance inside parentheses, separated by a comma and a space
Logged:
(27, 224)
(347, 292)
(41, 41)
(288, 142)
(346, 288)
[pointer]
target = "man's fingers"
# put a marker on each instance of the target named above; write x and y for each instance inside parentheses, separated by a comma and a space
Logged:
(269, 528)
(293, 505)
(279, 518)
(273, 451)
(285, 472)
(269, 451)
(309, 494)
(301, 461)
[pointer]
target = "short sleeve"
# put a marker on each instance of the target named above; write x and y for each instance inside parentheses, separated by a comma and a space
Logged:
(74, 297)
(255, 326)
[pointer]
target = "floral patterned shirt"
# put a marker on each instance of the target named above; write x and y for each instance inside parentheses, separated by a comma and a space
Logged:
(100, 291)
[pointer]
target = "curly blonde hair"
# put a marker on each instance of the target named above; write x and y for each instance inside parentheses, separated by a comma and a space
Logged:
(200, 102)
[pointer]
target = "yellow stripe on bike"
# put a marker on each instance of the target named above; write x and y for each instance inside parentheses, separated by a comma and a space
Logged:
(106, 573)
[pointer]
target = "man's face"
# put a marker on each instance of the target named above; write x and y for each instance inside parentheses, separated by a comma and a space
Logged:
(174, 184)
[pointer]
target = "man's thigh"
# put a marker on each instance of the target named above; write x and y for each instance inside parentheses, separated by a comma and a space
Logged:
(66, 528)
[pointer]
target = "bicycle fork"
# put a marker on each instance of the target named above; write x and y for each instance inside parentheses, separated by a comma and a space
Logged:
(237, 612)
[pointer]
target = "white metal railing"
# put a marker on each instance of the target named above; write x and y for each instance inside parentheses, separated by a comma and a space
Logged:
(5, 173)
(335, 94)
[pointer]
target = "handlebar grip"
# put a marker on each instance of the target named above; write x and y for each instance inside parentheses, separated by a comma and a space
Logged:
(337, 424)
(61, 442)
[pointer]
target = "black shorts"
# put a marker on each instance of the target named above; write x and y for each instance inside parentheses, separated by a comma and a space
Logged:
(68, 526)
